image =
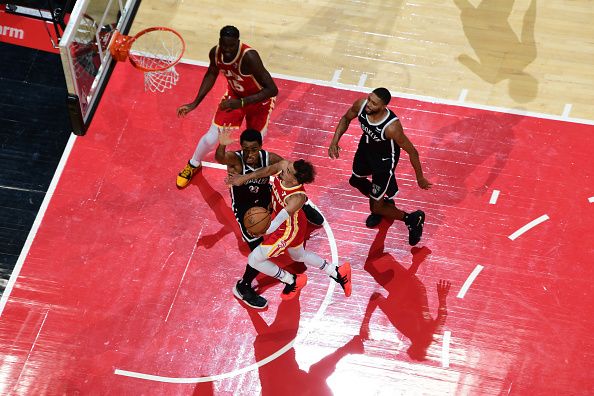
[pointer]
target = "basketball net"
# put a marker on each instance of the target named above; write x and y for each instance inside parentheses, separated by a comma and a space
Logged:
(154, 51)
(158, 81)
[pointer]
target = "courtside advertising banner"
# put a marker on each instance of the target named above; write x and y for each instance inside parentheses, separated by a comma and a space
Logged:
(28, 32)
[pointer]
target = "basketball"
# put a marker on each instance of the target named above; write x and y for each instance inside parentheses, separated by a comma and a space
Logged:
(256, 220)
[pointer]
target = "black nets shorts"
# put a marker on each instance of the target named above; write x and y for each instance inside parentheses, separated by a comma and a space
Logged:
(381, 169)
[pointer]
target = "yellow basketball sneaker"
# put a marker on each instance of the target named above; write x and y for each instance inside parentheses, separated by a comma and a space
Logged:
(184, 177)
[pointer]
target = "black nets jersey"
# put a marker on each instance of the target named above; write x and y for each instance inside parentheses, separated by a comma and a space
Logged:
(255, 192)
(373, 140)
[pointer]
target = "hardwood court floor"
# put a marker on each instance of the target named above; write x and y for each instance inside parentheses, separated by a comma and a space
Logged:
(126, 288)
(527, 55)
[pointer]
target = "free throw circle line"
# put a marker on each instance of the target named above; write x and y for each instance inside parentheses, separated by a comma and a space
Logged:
(301, 335)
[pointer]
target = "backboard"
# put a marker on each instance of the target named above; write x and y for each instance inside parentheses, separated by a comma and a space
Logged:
(86, 59)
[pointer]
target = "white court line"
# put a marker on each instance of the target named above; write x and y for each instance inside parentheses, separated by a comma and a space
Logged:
(591, 199)
(336, 75)
(445, 349)
(33, 346)
(430, 99)
(214, 165)
(528, 226)
(566, 110)
(185, 270)
(304, 331)
(463, 94)
(477, 270)
(36, 223)
(362, 80)
(494, 197)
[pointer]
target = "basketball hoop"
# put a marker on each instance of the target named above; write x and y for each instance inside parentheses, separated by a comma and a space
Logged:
(154, 51)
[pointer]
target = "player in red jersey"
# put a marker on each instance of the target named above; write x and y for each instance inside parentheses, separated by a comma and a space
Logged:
(251, 93)
(288, 226)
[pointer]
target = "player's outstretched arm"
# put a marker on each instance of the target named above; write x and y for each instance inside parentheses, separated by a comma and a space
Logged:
(274, 158)
(207, 83)
(341, 128)
(237, 180)
(395, 132)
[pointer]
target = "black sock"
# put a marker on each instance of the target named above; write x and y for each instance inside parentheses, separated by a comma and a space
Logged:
(249, 275)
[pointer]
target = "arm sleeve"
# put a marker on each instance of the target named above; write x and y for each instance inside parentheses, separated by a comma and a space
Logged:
(280, 218)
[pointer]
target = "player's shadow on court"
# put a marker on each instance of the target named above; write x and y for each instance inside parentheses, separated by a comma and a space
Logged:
(204, 389)
(406, 305)
(282, 375)
(469, 155)
(223, 213)
(502, 55)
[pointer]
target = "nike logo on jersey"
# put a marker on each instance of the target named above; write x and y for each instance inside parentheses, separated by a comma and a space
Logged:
(385, 159)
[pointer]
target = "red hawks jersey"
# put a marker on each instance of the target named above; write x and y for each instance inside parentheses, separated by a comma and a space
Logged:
(241, 84)
(280, 194)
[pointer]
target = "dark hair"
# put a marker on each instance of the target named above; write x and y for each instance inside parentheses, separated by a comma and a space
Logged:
(250, 135)
(383, 94)
(304, 171)
(230, 31)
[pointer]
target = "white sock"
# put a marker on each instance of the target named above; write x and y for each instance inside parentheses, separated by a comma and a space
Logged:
(207, 143)
(330, 269)
(312, 260)
(286, 277)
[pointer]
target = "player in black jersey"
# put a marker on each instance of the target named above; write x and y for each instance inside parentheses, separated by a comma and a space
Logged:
(257, 192)
(377, 156)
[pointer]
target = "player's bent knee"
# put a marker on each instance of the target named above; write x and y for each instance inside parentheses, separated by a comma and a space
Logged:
(354, 181)
(256, 257)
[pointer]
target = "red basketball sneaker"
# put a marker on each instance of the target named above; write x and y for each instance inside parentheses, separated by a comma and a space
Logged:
(294, 288)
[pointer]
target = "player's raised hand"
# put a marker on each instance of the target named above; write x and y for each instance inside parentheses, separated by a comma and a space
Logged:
(225, 138)
(185, 109)
(334, 150)
(424, 183)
